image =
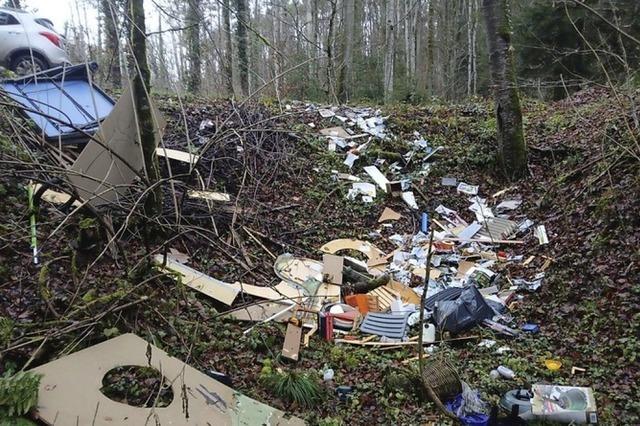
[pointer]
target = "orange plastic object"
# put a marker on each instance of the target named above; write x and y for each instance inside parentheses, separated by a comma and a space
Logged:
(362, 302)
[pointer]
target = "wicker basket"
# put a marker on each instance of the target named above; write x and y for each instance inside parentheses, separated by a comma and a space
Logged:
(441, 377)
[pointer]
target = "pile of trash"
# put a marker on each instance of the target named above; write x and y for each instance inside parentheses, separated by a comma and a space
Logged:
(453, 267)
(435, 285)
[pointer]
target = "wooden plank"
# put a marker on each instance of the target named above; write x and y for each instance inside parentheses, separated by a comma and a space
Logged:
(199, 281)
(332, 268)
(209, 195)
(55, 197)
(177, 155)
(406, 293)
(278, 292)
(291, 346)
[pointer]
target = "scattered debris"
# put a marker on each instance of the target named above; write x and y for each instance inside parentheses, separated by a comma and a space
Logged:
(565, 404)
(389, 214)
(211, 287)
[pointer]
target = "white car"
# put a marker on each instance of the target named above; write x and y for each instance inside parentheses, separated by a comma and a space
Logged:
(29, 44)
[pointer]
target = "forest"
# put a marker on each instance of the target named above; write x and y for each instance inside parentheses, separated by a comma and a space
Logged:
(323, 212)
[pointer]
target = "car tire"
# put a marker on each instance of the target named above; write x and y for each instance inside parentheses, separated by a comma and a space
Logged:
(25, 63)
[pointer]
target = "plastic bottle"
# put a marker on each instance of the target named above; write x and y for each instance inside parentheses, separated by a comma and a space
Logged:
(506, 372)
(429, 333)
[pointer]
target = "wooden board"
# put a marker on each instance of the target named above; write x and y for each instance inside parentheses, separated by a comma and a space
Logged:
(55, 197)
(69, 392)
(261, 311)
(199, 281)
(177, 155)
(406, 293)
(292, 341)
(210, 195)
(278, 292)
(332, 268)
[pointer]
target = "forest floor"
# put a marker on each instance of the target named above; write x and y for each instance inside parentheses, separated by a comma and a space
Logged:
(583, 185)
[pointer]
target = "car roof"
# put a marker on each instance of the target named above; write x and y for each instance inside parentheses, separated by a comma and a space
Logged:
(11, 9)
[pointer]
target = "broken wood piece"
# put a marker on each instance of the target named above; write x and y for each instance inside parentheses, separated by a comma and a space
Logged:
(261, 312)
(199, 281)
(388, 214)
(69, 391)
(279, 292)
(209, 195)
(55, 197)
(177, 155)
(407, 295)
(332, 268)
(291, 345)
(308, 335)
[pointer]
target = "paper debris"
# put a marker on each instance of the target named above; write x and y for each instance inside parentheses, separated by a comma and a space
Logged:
(377, 177)
(410, 199)
(465, 188)
(541, 233)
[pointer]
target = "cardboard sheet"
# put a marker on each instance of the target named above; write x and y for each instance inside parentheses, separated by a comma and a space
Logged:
(70, 394)
(98, 175)
(389, 214)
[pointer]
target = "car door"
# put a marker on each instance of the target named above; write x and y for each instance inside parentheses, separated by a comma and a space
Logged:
(11, 35)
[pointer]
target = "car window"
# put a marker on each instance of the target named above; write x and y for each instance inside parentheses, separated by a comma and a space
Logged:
(7, 19)
(45, 23)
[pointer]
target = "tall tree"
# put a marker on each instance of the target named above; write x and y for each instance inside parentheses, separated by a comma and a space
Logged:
(242, 14)
(140, 86)
(194, 79)
(389, 48)
(501, 66)
(344, 77)
(228, 48)
(13, 3)
(108, 9)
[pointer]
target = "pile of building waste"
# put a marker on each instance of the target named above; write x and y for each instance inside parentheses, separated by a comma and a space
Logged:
(355, 293)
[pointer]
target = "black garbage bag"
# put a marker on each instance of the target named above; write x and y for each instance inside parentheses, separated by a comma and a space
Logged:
(463, 313)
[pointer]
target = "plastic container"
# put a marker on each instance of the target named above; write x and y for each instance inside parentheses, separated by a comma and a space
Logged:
(505, 372)
(429, 333)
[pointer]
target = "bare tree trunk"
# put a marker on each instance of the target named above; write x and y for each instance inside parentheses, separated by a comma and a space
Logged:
(389, 49)
(431, 50)
(140, 87)
(228, 53)
(344, 78)
(194, 80)
(501, 65)
(331, 92)
(242, 14)
(112, 42)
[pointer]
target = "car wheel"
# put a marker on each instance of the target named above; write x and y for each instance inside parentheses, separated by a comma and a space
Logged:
(26, 64)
